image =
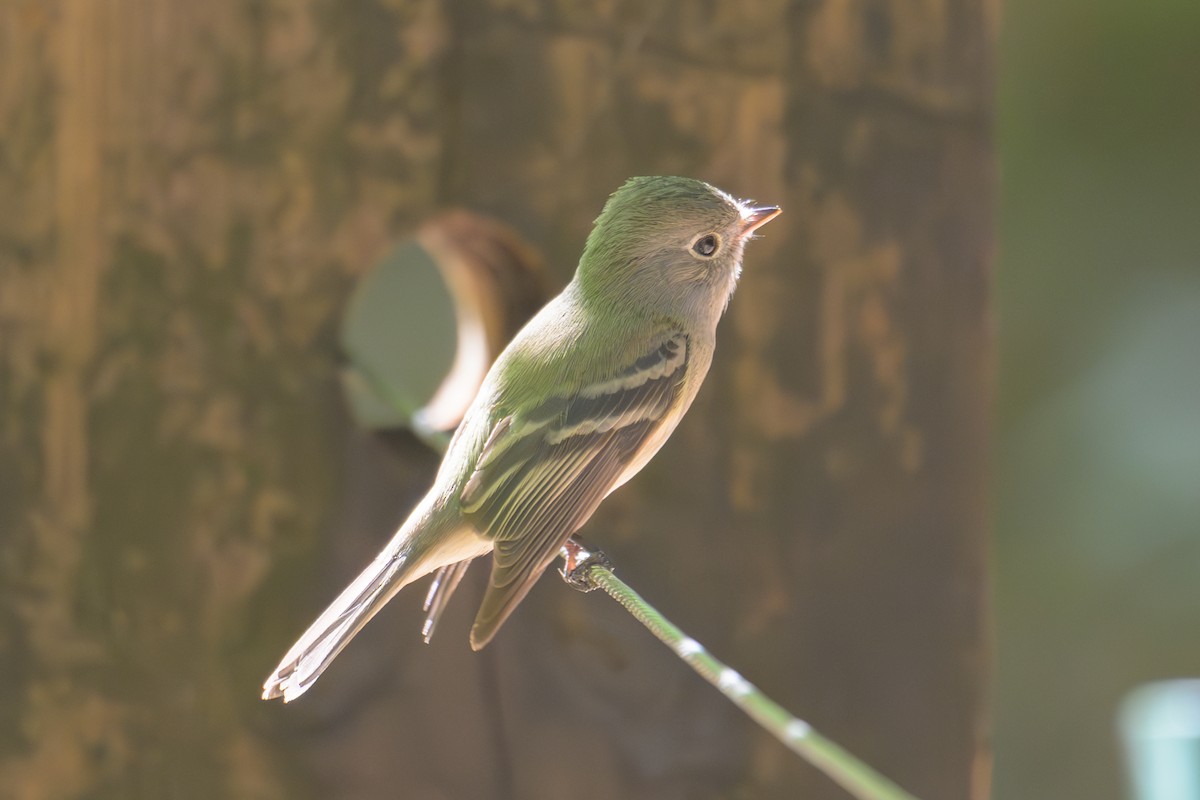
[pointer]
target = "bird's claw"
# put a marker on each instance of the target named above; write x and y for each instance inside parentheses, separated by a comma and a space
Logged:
(578, 560)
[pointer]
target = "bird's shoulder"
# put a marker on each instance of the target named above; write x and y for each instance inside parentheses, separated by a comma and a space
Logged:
(567, 355)
(569, 348)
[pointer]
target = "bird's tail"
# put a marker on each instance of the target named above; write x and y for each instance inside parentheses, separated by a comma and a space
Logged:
(337, 625)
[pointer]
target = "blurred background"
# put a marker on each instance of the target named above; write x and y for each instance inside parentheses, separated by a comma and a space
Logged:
(1096, 479)
(189, 193)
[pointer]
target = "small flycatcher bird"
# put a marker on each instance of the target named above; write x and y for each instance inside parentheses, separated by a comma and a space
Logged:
(578, 402)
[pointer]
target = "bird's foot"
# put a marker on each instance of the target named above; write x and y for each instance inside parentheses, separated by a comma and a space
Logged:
(578, 560)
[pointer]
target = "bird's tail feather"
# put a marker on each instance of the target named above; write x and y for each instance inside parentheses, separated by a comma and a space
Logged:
(338, 624)
(440, 592)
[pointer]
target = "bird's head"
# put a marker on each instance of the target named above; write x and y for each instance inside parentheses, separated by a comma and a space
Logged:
(669, 245)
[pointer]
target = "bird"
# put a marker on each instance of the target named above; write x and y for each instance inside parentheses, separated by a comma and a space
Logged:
(576, 404)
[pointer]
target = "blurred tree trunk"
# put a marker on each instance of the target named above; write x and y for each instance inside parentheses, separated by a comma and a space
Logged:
(187, 191)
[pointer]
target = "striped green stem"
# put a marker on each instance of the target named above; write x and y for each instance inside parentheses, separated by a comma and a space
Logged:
(586, 569)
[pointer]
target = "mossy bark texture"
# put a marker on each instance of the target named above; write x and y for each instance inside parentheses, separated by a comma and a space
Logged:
(187, 193)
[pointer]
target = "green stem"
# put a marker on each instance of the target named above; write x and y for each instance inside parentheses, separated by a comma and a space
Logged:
(853, 775)
(586, 569)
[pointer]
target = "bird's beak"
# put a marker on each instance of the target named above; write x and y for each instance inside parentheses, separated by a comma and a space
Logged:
(758, 217)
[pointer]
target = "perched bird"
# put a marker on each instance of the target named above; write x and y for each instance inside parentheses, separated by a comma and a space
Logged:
(578, 402)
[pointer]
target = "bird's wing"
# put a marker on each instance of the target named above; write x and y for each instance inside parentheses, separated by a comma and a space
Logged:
(540, 475)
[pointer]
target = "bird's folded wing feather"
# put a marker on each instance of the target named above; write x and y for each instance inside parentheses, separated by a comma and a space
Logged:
(541, 474)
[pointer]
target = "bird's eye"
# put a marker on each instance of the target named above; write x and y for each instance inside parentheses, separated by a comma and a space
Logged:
(706, 245)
